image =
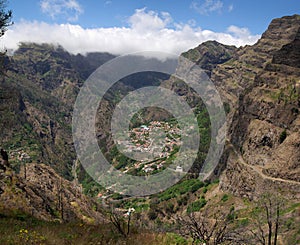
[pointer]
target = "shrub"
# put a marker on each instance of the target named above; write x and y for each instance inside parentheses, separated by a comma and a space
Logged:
(282, 136)
(170, 207)
(152, 214)
(197, 205)
(173, 238)
(116, 196)
(196, 186)
(226, 107)
(180, 189)
(224, 198)
(243, 222)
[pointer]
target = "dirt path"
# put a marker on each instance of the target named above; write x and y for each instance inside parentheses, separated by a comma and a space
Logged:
(258, 169)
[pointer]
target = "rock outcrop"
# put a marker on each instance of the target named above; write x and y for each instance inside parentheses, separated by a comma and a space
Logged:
(210, 54)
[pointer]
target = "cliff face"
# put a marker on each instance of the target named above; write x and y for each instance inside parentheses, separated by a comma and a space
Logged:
(239, 73)
(260, 86)
(36, 99)
(264, 137)
(260, 90)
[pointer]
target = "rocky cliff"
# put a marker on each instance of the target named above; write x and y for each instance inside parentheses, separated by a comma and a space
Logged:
(263, 137)
(260, 88)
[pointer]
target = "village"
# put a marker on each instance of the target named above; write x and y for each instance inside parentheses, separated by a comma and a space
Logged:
(155, 156)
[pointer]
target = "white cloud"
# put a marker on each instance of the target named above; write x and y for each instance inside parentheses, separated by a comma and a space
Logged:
(230, 8)
(69, 9)
(207, 7)
(242, 33)
(150, 21)
(148, 30)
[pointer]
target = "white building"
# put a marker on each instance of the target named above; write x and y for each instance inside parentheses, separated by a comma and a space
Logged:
(179, 169)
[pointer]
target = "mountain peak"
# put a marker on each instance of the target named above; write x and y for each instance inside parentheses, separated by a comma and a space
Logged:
(282, 29)
(209, 54)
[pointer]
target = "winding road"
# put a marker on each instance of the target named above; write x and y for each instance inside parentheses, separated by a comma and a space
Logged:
(258, 169)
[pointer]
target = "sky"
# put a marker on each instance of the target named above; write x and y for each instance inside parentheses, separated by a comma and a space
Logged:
(126, 26)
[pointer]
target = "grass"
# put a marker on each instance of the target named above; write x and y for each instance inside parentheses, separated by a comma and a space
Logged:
(139, 204)
(291, 208)
(31, 231)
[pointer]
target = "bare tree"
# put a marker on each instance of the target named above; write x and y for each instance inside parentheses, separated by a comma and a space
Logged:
(208, 228)
(60, 198)
(119, 222)
(266, 218)
(60, 194)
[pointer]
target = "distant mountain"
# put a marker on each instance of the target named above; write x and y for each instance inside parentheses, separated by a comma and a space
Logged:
(210, 54)
(37, 97)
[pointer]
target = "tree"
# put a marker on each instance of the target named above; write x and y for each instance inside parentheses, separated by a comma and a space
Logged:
(267, 219)
(5, 17)
(119, 221)
(5, 21)
(208, 228)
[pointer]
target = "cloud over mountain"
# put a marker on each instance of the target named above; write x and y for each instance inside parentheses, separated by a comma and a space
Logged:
(146, 30)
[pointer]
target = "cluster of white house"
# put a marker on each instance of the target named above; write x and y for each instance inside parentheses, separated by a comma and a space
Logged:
(141, 142)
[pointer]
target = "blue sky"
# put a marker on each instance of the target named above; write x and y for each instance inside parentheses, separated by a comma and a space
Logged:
(170, 25)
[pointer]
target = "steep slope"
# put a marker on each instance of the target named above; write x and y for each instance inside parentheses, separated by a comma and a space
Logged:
(38, 94)
(259, 85)
(208, 56)
(239, 73)
(40, 192)
(263, 145)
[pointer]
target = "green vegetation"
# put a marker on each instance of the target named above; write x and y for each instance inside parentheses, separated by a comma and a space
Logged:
(5, 21)
(197, 205)
(36, 102)
(139, 204)
(181, 188)
(282, 136)
(173, 238)
(243, 222)
(226, 107)
(90, 187)
(225, 198)
(31, 231)
(291, 208)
